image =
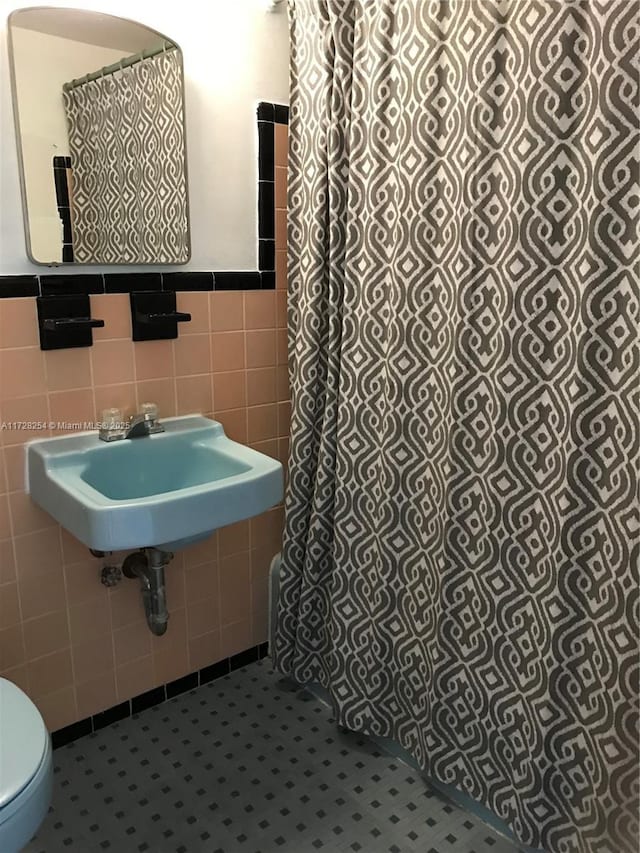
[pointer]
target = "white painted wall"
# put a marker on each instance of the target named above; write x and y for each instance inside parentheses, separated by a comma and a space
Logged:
(235, 54)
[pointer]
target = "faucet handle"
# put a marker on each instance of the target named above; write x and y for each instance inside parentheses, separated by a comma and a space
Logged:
(111, 426)
(150, 411)
(111, 418)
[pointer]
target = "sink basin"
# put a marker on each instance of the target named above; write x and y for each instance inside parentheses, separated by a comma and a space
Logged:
(164, 490)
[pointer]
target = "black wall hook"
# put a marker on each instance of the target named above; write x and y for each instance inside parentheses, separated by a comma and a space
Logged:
(154, 316)
(66, 321)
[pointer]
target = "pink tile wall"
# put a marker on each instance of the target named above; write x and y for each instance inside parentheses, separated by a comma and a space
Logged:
(73, 645)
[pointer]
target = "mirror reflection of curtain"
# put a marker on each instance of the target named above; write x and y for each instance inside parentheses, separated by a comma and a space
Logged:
(129, 184)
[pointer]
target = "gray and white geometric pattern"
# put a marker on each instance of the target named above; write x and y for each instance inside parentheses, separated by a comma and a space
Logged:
(460, 555)
(126, 140)
(247, 764)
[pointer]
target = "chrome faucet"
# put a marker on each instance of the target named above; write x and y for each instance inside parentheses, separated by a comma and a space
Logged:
(145, 422)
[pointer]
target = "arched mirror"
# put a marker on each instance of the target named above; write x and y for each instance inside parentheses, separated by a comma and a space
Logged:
(99, 110)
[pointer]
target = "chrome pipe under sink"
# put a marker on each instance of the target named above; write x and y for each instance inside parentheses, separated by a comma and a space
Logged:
(148, 566)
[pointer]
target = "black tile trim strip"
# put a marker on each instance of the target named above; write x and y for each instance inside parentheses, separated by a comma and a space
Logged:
(16, 286)
(157, 695)
(244, 658)
(266, 111)
(22, 286)
(65, 218)
(70, 733)
(187, 280)
(183, 685)
(268, 115)
(267, 254)
(61, 166)
(266, 210)
(112, 715)
(148, 699)
(266, 151)
(241, 280)
(61, 186)
(281, 113)
(268, 279)
(66, 285)
(132, 281)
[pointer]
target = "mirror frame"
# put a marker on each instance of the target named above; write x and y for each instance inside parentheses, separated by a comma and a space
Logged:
(18, 138)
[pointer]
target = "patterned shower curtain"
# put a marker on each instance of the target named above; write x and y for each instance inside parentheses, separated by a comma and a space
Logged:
(460, 555)
(126, 140)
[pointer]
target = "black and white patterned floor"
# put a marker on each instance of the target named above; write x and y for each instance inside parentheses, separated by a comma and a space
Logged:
(246, 764)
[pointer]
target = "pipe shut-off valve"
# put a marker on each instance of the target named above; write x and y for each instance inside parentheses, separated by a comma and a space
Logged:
(110, 576)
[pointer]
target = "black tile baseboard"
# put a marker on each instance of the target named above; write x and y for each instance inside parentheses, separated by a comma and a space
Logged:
(70, 733)
(148, 699)
(112, 715)
(244, 658)
(157, 695)
(215, 670)
(183, 685)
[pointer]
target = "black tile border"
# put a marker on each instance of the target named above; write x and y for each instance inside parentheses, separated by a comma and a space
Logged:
(61, 185)
(17, 286)
(244, 658)
(268, 115)
(61, 167)
(281, 113)
(130, 282)
(70, 733)
(266, 151)
(268, 278)
(187, 280)
(214, 671)
(148, 699)
(249, 280)
(182, 685)
(66, 285)
(266, 210)
(266, 111)
(267, 254)
(112, 715)
(158, 695)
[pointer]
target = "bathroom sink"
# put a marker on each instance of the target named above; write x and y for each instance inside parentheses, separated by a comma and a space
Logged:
(164, 490)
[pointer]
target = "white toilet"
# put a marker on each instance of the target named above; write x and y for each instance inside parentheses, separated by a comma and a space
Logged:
(26, 768)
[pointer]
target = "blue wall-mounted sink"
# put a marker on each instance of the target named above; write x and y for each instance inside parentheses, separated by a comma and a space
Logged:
(164, 490)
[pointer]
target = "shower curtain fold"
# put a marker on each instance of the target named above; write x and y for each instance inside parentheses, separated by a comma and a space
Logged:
(460, 553)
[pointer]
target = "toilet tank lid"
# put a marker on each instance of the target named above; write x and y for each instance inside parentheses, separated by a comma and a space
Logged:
(23, 741)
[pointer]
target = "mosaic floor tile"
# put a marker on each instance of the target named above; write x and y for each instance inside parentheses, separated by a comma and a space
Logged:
(249, 763)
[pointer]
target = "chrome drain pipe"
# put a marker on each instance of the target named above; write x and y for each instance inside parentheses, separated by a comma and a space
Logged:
(148, 566)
